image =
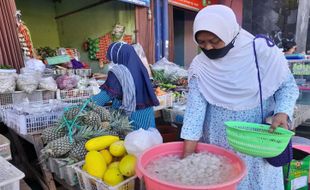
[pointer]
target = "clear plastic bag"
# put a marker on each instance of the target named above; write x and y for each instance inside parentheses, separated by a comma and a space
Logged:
(138, 141)
(171, 70)
(48, 83)
(139, 50)
(27, 82)
(35, 64)
(66, 82)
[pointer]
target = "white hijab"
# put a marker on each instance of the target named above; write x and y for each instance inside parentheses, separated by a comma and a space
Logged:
(231, 82)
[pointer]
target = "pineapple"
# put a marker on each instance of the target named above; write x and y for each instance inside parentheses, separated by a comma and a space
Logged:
(103, 112)
(56, 148)
(120, 124)
(105, 125)
(78, 152)
(72, 112)
(92, 119)
(52, 133)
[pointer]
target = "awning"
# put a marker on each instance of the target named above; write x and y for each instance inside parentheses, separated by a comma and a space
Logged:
(138, 2)
(192, 4)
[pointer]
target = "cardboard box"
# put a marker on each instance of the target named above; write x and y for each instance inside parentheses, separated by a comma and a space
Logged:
(298, 175)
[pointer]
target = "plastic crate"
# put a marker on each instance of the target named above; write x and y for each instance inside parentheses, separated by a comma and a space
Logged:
(83, 72)
(88, 182)
(18, 97)
(50, 164)
(62, 170)
(32, 123)
(10, 176)
(164, 101)
(5, 150)
(74, 94)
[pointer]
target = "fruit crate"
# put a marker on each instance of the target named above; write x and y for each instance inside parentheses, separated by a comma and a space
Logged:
(165, 101)
(31, 123)
(10, 176)
(5, 150)
(88, 182)
(74, 96)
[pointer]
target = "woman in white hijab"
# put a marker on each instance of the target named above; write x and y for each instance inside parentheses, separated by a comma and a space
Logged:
(224, 86)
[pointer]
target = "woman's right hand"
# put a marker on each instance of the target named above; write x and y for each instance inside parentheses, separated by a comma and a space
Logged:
(189, 147)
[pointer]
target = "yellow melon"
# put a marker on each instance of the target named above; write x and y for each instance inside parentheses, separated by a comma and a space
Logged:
(127, 165)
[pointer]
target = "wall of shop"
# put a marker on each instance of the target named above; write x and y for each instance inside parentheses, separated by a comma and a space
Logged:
(76, 28)
(237, 6)
(39, 17)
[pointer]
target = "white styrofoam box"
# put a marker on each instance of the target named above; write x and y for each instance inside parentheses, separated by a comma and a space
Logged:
(87, 181)
(165, 101)
(5, 150)
(10, 176)
(173, 115)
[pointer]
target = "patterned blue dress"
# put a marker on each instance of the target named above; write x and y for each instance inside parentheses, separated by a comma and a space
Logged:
(143, 118)
(205, 122)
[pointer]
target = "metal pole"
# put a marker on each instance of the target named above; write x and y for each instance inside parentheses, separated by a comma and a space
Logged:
(302, 25)
(165, 28)
(158, 36)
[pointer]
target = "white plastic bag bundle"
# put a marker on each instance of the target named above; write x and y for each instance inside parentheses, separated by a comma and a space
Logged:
(8, 83)
(138, 141)
(27, 82)
(35, 64)
(48, 83)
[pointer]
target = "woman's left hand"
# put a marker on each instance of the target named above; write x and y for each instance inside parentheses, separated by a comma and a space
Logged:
(280, 119)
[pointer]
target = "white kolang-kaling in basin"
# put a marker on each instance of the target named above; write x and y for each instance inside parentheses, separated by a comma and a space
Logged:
(196, 169)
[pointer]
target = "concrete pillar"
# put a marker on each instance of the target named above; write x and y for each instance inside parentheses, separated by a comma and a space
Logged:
(302, 25)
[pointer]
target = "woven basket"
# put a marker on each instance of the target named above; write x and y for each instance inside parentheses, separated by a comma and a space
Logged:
(254, 139)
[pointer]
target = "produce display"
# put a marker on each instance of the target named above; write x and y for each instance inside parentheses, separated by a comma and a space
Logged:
(79, 124)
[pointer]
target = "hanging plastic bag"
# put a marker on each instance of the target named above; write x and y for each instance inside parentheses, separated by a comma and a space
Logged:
(139, 50)
(138, 141)
(171, 70)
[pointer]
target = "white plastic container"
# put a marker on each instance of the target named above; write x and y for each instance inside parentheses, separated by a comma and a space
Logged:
(10, 176)
(5, 150)
(165, 101)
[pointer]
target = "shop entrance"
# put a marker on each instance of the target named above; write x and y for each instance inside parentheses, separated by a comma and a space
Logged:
(183, 47)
